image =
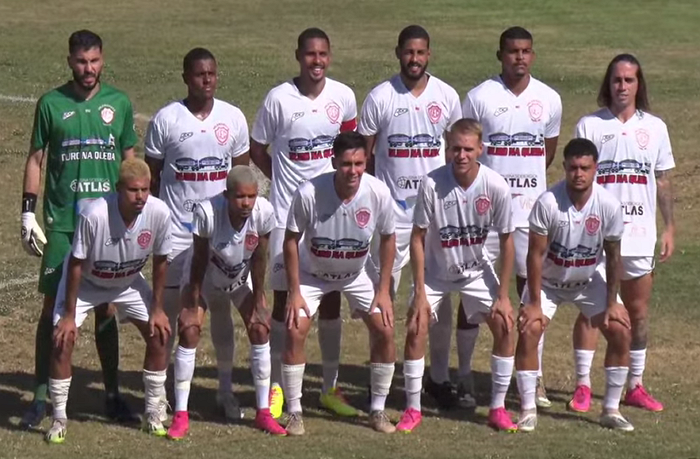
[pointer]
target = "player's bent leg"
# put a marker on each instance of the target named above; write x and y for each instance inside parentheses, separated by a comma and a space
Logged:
(437, 383)
(414, 368)
(382, 358)
(585, 338)
(59, 386)
(526, 365)
(466, 342)
(502, 362)
(154, 375)
(278, 333)
(293, 366)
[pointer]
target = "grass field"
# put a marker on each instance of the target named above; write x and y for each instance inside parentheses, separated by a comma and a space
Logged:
(254, 43)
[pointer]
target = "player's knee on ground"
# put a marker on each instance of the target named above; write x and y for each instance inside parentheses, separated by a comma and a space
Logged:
(279, 302)
(329, 309)
(258, 333)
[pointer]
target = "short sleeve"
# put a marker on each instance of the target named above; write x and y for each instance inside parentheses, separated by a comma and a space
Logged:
(369, 118)
(385, 218)
(154, 144)
(469, 110)
(553, 126)
(264, 127)
(580, 130)
(454, 108)
(128, 138)
(241, 138)
(83, 238)
(350, 112)
(424, 211)
(267, 217)
(299, 211)
(42, 125)
(163, 240)
(614, 225)
(540, 218)
(202, 220)
(665, 159)
(501, 202)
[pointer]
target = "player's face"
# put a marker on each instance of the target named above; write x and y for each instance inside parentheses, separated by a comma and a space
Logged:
(201, 79)
(86, 65)
(624, 84)
(241, 199)
(133, 194)
(413, 58)
(463, 149)
(314, 59)
(516, 58)
(350, 166)
(580, 172)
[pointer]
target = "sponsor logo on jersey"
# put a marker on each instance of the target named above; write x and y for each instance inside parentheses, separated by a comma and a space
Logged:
(461, 268)
(185, 135)
(579, 256)
(112, 241)
(362, 217)
(606, 138)
(231, 272)
(482, 204)
(221, 133)
(144, 239)
(108, 269)
(251, 241)
(334, 276)
(519, 144)
(642, 136)
(409, 183)
(521, 181)
(343, 249)
(90, 186)
(568, 285)
(535, 109)
(297, 115)
(625, 171)
(107, 113)
(633, 209)
(190, 204)
(449, 204)
(499, 111)
(592, 224)
(434, 112)
(418, 146)
(209, 169)
(455, 236)
(67, 115)
(301, 149)
(277, 267)
(400, 111)
(333, 112)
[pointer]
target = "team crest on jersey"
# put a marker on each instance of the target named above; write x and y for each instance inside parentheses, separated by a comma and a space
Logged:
(144, 239)
(107, 114)
(434, 112)
(221, 133)
(482, 204)
(333, 112)
(362, 217)
(535, 108)
(251, 241)
(642, 136)
(592, 225)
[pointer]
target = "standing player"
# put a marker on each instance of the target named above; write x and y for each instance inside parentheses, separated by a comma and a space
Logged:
(190, 146)
(299, 119)
(457, 205)
(85, 128)
(571, 226)
(337, 214)
(521, 118)
(115, 236)
(227, 263)
(635, 160)
(404, 120)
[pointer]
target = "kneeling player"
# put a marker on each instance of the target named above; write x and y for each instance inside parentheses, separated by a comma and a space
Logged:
(115, 236)
(227, 263)
(571, 225)
(337, 214)
(457, 206)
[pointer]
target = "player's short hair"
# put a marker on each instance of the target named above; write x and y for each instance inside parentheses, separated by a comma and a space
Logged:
(133, 168)
(240, 175)
(82, 40)
(576, 148)
(348, 140)
(467, 126)
(194, 55)
(310, 34)
(413, 32)
(513, 33)
(641, 100)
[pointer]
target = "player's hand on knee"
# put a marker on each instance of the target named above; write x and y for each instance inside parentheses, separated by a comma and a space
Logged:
(382, 301)
(158, 322)
(503, 308)
(295, 304)
(419, 313)
(530, 315)
(189, 317)
(65, 332)
(259, 313)
(32, 234)
(618, 313)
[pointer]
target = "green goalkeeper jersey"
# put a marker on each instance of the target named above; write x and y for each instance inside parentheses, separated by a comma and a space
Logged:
(85, 140)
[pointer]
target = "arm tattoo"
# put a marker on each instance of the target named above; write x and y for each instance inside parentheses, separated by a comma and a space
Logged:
(664, 196)
(613, 268)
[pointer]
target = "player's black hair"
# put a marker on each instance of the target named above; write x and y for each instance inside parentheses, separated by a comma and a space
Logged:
(576, 148)
(513, 33)
(348, 140)
(310, 34)
(194, 55)
(641, 101)
(413, 32)
(82, 40)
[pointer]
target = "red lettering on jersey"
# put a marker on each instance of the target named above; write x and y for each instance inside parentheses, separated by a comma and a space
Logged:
(497, 151)
(532, 151)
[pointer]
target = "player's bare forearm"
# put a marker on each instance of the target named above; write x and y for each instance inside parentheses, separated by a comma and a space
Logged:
(241, 160)
(200, 258)
(156, 167)
(387, 253)
(550, 148)
(613, 269)
(537, 248)
(290, 251)
(160, 266)
(369, 144)
(260, 157)
(417, 251)
(259, 265)
(32, 172)
(507, 247)
(74, 275)
(664, 197)
(128, 153)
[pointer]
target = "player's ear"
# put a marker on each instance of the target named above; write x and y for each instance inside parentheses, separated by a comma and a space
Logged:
(297, 54)
(397, 51)
(498, 55)
(184, 78)
(334, 163)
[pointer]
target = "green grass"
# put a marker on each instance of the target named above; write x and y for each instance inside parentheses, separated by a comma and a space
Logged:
(254, 43)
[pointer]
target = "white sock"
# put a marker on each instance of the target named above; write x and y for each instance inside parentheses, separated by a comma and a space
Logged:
(278, 336)
(638, 359)
(501, 372)
(292, 380)
(413, 380)
(440, 340)
(154, 389)
(527, 386)
(58, 389)
(583, 359)
(381, 375)
(329, 336)
(540, 349)
(260, 367)
(615, 378)
(184, 371)
(466, 342)
(223, 338)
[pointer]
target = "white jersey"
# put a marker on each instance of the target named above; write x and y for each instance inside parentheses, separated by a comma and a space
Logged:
(514, 129)
(629, 156)
(458, 220)
(301, 132)
(196, 157)
(337, 235)
(575, 237)
(409, 134)
(230, 250)
(114, 254)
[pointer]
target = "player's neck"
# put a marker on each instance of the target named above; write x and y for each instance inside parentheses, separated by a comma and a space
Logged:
(237, 222)
(309, 88)
(85, 94)
(579, 198)
(128, 216)
(415, 87)
(466, 180)
(623, 113)
(200, 108)
(345, 193)
(514, 84)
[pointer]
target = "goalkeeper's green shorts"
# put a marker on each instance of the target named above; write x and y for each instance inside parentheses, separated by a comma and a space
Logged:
(58, 245)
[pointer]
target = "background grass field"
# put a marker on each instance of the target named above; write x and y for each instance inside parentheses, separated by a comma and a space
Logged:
(254, 43)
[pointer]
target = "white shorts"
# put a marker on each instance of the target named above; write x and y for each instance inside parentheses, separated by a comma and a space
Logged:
(477, 294)
(213, 296)
(520, 240)
(358, 290)
(176, 267)
(403, 251)
(632, 267)
(132, 302)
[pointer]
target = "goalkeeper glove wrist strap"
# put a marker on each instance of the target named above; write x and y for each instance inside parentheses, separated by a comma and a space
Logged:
(28, 202)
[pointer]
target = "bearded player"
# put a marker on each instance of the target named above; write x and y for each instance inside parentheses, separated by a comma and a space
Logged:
(83, 130)
(298, 120)
(190, 146)
(635, 164)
